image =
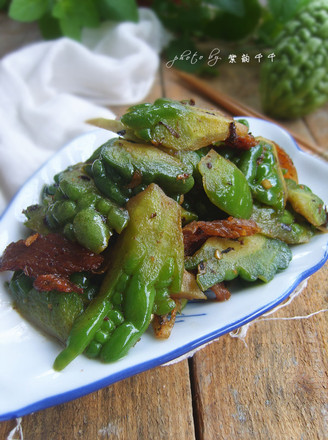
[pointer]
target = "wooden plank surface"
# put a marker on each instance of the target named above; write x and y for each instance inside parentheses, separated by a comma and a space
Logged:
(273, 388)
(151, 405)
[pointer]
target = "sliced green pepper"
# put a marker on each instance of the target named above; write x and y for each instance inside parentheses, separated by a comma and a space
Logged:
(225, 185)
(261, 167)
(179, 126)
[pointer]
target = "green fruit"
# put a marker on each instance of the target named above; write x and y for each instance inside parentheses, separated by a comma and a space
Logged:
(296, 82)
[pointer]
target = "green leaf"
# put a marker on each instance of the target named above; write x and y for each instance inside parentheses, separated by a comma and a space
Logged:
(229, 27)
(49, 27)
(73, 15)
(186, 17)
(122, 10)
(234, 7)
(27, 10)
(4, 4)
(268, 31)
(70, 28)
(284, 10)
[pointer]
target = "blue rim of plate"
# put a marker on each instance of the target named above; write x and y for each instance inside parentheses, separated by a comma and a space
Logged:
(171, 355)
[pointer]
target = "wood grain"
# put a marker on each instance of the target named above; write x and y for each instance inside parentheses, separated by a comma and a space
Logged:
(275, 387)
(151, 405)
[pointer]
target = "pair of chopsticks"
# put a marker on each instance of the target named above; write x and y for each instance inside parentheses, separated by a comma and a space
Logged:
(238, 109)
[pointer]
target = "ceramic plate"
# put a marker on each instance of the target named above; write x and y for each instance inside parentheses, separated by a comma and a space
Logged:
(27, 381)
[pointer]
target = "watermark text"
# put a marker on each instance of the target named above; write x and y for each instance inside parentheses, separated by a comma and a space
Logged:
(215, 56)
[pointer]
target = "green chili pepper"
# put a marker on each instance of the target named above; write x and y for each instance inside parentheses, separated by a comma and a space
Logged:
(197, 202)
(163, 303)
(244, 121)
(177, 125)
(187, 216)
(191, 160)
(147, 256)
(106, 184)
(225, 185)
(264, 175)
(77, 208)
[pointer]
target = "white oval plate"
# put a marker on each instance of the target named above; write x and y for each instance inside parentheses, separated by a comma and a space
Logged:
(27, 381)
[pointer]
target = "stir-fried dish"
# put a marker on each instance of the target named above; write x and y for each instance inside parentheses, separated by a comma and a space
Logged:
(180, 203)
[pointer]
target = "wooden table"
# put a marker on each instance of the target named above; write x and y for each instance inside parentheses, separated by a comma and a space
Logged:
(273, 386)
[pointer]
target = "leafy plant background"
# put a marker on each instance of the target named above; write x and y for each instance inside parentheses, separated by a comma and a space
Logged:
(245, 26)
(68, 17)
(190, 21)
(255, 23)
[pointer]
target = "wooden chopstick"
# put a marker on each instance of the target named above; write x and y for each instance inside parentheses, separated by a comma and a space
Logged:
(238, 109)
